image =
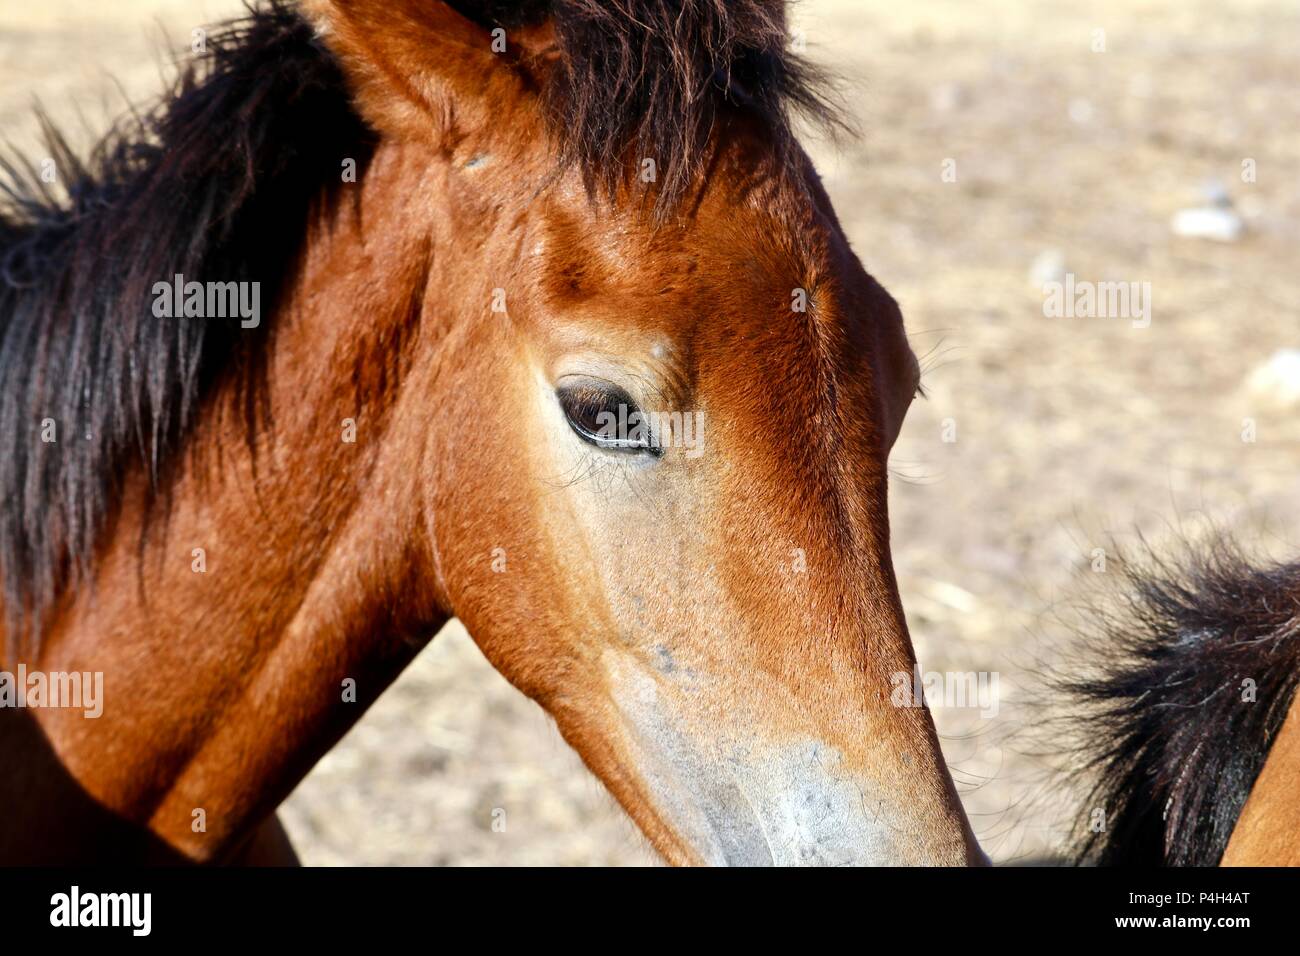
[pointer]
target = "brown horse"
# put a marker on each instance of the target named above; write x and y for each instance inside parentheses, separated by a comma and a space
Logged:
(513, 261)
(1192, 728)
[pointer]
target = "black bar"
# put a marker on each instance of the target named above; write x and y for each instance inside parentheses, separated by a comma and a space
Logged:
(941, 910)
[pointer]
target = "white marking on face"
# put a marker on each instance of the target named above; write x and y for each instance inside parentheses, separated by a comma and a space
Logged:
(744, 801)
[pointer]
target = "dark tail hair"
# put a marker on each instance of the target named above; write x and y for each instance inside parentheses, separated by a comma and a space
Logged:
(1196, 672)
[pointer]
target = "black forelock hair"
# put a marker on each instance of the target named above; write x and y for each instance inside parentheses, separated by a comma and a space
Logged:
(650, 79)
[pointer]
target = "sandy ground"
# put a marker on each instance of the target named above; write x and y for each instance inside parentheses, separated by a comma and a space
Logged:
(1067, 430)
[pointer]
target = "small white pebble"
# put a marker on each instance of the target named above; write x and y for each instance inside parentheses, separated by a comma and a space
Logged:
(1048, 266)
(1277, 381)
(1208, 222)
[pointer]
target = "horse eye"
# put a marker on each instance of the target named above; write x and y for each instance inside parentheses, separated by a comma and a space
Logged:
(604, 415)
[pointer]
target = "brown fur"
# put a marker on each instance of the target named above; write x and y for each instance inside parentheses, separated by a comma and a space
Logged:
(329, 561)
(1268, 831)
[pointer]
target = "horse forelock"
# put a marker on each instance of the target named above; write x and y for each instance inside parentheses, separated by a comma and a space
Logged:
(638, 80)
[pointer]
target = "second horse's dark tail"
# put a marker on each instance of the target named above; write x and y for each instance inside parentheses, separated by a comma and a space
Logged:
(1194, 674)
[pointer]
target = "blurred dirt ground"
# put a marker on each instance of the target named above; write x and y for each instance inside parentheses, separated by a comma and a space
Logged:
(1068, 431)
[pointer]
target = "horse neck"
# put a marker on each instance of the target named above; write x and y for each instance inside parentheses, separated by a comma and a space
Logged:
(286, 585)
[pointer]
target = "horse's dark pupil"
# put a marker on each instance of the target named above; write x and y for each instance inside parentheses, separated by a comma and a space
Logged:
(591, 407)
(599, 413)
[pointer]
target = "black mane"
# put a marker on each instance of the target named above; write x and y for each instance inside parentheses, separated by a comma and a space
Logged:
(1170, 740)
(215, 184)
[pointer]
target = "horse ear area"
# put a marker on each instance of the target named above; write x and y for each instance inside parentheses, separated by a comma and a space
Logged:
(420, 70)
